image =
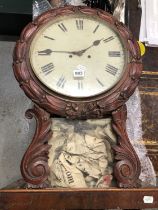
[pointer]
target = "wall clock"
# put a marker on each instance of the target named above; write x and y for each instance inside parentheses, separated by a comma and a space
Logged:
(78, 63)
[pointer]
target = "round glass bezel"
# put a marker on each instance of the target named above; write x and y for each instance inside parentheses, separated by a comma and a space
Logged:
(73, 107)
(78, 15)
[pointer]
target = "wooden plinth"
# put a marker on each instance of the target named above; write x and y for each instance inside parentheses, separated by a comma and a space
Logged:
(50, 199)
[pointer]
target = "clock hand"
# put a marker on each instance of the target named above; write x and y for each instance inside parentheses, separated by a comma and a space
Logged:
(95, 43)
(49, 52)
(45, 52)
(78, 53)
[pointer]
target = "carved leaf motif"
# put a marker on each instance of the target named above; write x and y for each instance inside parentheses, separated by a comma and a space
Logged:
(20, 71)
(38, 92)
(107, 17)
(69, 10)
(28, 91)
(87, 10)
(55, 102)
(41, 19)
(19, 51)
(136, 70)
(124, 30)
(34, 166)
(84, 110)
(28, 31)
(73, 109)
(127, 169)
(110, 100)
(134, 49)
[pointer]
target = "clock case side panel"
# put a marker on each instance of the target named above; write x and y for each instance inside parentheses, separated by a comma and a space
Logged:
(127, 166)
(34, 165)
(77, 108)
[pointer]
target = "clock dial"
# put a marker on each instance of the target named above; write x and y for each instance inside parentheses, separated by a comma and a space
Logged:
(78, 56)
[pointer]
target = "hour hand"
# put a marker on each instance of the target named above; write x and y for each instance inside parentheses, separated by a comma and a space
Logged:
(45, 52)
(49, 52)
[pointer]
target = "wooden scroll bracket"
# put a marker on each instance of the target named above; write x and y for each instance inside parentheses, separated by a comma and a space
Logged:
(127, 167)
(34, 166)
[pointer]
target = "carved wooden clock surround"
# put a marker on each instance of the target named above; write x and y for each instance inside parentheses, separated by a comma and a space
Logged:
(34, 166)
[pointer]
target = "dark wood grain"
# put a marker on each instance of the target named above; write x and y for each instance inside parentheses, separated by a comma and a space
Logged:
(34, 165)
(127, 168)
(78, 199)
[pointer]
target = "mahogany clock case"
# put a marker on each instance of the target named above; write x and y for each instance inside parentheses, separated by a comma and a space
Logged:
(34, 166)
(97, 199)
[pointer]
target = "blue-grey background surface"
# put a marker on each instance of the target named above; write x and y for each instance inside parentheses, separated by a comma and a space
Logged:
(15, 130)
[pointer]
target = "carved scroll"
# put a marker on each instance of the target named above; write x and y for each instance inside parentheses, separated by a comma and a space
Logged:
(34, 166)
(127, 168)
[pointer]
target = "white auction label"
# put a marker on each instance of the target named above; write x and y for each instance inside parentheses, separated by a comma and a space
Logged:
(79, 71)
(148, 199)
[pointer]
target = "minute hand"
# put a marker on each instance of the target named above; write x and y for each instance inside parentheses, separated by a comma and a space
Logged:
(95, 43)
(78, 53)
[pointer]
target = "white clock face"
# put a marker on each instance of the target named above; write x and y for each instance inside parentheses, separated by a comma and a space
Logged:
(78, 56)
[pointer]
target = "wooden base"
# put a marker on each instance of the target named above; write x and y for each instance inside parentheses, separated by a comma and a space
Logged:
(49, 199)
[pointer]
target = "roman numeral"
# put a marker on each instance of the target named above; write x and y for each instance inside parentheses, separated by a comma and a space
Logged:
(79, 24)
(96, 29)
(100, 83)
(111, 69)
(114, 54)
(47, 37)
(61, 82)
(47, 69)
(80, 84)
(108, 39)
(62, 27)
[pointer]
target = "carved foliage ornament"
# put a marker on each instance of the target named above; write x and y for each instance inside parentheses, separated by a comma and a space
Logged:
(127, 168)
(34, 166)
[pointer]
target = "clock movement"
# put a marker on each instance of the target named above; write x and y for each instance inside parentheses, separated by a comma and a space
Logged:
(77, 63)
